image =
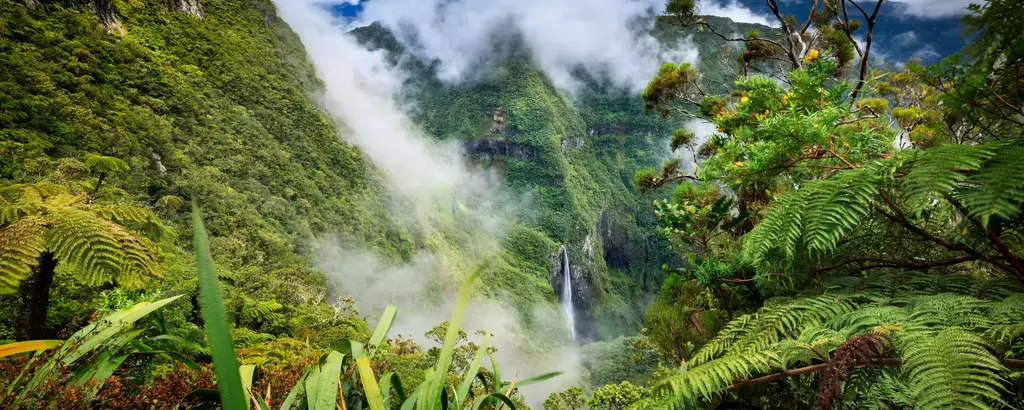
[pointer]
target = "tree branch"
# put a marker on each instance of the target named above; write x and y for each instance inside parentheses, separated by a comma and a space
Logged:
(782, 374)
(900, 218)
(1004, 250)
(867, 48)
(898, 264)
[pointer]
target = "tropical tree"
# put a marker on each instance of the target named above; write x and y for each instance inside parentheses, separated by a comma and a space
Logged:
(46, 227)
(887, 275)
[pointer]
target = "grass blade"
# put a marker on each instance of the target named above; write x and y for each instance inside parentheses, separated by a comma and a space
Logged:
(294, 392)
(369, 381)
(444, 360)
(382, 328)
(537, 379)
(27, 346)
(218, 329)
(245, 372)
(498, 396)
(474, 366)
(497, 372)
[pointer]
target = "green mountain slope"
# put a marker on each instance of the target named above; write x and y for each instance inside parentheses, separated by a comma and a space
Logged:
(215, 110)
(573, 157)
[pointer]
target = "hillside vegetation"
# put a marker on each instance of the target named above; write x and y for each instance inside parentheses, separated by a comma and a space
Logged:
(173, 194)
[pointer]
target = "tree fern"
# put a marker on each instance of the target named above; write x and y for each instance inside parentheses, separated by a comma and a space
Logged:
(45, 225)
(924, 192)
(948, 345)
(771, 324)
(950, 369)
(21, 243)
(708, 381)
(999, 189)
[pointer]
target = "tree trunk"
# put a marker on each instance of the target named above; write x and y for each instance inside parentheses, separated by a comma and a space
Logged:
(35, 300)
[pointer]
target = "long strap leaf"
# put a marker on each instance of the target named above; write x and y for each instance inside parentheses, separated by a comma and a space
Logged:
(382, 328)
(369, 381)
(27, 346)
(218, 330)
(474, 366)
(444, 360)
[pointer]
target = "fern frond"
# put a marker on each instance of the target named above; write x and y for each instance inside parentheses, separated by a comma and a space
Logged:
(708, 381)
(817, 215)
(21, 244)
(942, 168)
(950, 369)
(104, 164)
(99, 249)
(771, 324)
(997, 189)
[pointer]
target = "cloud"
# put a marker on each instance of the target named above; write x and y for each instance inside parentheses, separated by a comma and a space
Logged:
(906, 38)
(360, 92)
(926, 52)
(736, 12)
(601, 36)
(933, 9)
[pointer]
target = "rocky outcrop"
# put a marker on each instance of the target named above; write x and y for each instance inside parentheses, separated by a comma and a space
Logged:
(193, 7)
(108, 15)
(617, 249)
(572, 143)
(499, 122)
(613, 128)
(487, 148)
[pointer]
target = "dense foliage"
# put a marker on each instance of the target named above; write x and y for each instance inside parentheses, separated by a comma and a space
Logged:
(849, 237)
(861, 238)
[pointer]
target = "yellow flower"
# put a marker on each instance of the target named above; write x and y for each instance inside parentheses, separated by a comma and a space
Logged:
(812, 55)
(738, 163)
(744, 100)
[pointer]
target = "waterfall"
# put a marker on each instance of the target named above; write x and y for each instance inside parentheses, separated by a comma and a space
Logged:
(567, 308)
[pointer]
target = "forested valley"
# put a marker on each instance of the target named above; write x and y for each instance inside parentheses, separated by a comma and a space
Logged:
(468, 204)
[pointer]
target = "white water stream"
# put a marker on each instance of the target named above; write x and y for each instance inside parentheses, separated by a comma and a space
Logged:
(566, 303)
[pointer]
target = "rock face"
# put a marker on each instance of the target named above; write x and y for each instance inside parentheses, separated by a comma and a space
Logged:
(617, 250)
(499, 122)
(572, 143)
(614, 128)
(585, 295)
(487, 148)
(193, 7)
(107, 13)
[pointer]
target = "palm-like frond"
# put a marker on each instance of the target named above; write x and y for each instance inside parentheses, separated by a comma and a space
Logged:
(946, 344)
(21, 244)
(94, 240)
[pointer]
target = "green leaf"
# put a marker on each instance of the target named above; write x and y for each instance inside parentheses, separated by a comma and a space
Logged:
(411, 400)
(538, 379)
(382, 328)
(474, 366)
(444, 360)
(27, 346)
(497, 372)
(218, 329)
(369, 381)
(294, 392)
(322, 390)
(245, 372)
(508, 402)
